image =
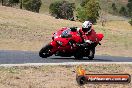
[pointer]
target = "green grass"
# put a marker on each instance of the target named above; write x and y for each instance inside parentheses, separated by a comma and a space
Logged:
(106, 5)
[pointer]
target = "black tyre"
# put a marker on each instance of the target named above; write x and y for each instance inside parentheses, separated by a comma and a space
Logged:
(81, 80)
(45, 51)
(91, 54)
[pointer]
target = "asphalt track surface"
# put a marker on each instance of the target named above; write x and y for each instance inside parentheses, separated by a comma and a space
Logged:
(21, 57)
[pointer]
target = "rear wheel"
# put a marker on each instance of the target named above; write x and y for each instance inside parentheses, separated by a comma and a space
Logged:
(45, 51)
(91, 54)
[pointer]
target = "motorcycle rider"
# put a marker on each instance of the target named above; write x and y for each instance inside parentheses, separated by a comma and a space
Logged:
(87, 33)
(89, 37)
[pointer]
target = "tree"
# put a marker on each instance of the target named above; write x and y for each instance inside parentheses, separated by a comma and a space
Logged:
(32, 5)
(55, 9)
(62, 9)
(83, 2)
(123, 11)
(115, 10)
(12, 2)
(9, 2)
(90, 11)
(2, 1)
(129, 6)
(103, 18)
(20, 4)
(81, 14)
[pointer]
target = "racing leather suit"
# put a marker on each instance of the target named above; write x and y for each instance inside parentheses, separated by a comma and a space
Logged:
(89, 38)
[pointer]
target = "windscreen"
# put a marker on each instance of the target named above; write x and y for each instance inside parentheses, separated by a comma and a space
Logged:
(66, 33)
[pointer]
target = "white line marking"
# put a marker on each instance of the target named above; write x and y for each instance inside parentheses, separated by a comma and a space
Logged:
(65, 63)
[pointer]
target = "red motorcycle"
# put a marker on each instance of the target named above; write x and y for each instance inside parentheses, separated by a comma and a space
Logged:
(66, 43)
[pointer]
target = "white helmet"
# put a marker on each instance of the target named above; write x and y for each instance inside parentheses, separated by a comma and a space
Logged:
(86, 26)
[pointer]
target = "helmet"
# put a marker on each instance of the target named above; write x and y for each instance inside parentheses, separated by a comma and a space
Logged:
(86, 26)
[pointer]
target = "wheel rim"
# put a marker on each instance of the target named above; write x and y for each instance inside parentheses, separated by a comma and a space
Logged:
(47, 52)
(90, 53)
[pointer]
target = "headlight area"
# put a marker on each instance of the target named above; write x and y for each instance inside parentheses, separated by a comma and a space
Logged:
(59, 42)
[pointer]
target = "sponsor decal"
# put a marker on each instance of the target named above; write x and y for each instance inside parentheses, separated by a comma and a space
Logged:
(82, 77)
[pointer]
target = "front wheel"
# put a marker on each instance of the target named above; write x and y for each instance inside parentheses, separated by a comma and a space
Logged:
(45, 51)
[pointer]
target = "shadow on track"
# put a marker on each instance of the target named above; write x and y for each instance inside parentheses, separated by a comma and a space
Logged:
(83, 59)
